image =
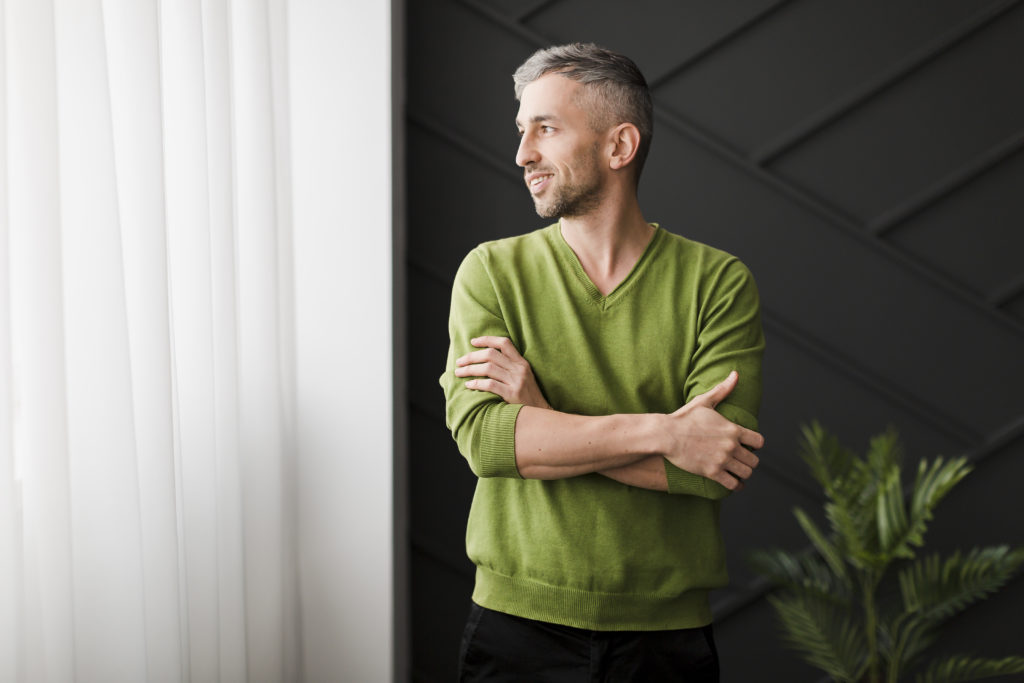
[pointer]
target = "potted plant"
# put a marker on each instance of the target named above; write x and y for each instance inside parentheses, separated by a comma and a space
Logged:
(840, 606)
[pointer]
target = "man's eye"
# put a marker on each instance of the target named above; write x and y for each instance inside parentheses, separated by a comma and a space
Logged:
(547, 129)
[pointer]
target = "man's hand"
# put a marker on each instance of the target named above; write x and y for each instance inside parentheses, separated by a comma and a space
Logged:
(700, 440)
(501, 370)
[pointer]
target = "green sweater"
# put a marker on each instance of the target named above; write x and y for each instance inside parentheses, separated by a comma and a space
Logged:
(588, 551)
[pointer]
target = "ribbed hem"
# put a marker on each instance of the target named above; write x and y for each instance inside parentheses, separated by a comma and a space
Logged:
(497, 445)
(682, 482)
(595, 611)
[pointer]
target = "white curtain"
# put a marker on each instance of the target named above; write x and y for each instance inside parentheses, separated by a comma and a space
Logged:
(147, 528)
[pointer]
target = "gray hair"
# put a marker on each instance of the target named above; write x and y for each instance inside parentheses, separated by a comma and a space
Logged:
(616, 92)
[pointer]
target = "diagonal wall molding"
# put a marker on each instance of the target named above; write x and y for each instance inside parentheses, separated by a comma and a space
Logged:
(719, 42)
(870, 89)
(886, 222)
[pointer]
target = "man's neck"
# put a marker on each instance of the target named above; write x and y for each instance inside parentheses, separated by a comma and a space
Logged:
(608, 241)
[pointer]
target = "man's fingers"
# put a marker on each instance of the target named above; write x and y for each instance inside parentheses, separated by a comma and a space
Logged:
(493, 386)
(486, 369)
(746, 457)
(712, 397)
(751, 439)
(740, 470)
(481, 356)
(728, 481)
(503, 344)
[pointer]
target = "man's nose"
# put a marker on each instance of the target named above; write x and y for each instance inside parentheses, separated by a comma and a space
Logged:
(527, 151)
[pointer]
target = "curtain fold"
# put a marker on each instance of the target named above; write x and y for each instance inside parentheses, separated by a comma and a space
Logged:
(146, 456)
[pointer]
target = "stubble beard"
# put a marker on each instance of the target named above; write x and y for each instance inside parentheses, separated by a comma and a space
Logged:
(569, 201)
(573, 200)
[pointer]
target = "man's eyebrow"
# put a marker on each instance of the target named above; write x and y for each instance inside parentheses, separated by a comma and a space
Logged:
(540, 118)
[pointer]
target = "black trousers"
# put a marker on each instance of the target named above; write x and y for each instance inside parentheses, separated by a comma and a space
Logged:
(502, 648)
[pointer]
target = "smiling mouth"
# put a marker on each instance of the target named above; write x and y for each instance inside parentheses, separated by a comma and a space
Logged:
(537, 183)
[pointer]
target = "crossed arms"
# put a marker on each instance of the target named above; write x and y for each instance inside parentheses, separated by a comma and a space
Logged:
(629, 447)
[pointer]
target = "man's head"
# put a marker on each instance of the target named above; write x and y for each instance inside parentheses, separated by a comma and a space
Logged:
(613, 89)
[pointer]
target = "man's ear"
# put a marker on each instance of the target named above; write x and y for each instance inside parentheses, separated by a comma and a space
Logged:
(625, 140)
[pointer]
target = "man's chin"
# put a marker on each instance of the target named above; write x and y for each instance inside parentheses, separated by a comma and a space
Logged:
(545, 211)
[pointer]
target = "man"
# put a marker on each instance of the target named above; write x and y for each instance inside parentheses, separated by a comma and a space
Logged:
(603, 382)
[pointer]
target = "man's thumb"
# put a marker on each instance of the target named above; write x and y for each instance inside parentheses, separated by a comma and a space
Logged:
(712, 397)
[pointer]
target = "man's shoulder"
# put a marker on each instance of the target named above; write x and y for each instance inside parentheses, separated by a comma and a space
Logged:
(515, 246)
(699, 257)
(695, 249)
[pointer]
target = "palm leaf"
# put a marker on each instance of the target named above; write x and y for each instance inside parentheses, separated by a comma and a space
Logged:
(908, 637)
(830, 463)
(885, 452)
(825, 547)
(961, 668)
(935, 481)
(899, 532)
(894, 529)
(827, 638)
(937, 590)
(804, 573)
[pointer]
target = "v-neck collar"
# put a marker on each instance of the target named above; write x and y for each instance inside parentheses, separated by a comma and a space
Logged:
(593, 293)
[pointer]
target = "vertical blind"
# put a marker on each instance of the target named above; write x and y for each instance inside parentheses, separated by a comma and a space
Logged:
(146, 363)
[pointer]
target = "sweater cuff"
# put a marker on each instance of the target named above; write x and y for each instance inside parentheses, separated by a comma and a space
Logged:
(497, 445)
(682, 482)
(687, 483)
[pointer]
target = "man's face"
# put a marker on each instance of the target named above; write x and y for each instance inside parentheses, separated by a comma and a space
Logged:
(558, 150)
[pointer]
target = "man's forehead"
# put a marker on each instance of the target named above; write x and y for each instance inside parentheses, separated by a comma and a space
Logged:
(550, 96)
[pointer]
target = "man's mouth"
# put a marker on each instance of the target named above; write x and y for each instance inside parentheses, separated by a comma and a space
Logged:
(537, 182)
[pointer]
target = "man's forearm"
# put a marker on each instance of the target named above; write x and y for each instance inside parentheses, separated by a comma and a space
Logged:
(695, 438)
(646, 473)
(554, 445)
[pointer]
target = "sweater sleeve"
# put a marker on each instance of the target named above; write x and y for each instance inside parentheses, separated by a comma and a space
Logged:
(482, 424)
(730, 338)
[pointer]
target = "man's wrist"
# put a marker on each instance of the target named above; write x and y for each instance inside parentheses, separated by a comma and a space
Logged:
(652, 434)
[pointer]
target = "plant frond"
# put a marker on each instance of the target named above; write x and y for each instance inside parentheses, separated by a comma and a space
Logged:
(853, 528)
(899, 532)
(960, 668)
(936, 590)
(907, 638)
(803, 574)
(825, 547)
(933, 590)
(933, 482)
(826, 638)
(885, 451)
(830, 463)
(894, 530)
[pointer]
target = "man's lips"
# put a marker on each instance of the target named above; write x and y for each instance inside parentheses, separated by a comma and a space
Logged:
(537, 181)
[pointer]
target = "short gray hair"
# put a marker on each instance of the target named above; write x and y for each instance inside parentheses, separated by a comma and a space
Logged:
(616, 92)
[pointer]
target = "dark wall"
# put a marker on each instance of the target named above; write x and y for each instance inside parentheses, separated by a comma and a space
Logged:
(863, 158)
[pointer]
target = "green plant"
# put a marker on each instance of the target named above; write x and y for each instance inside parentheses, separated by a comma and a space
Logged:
(841, 608)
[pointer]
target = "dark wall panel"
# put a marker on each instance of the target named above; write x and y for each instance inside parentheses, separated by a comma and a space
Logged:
(657, 35)
(757, 88)
(864, 159)
(966, 234)
(920, 130)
